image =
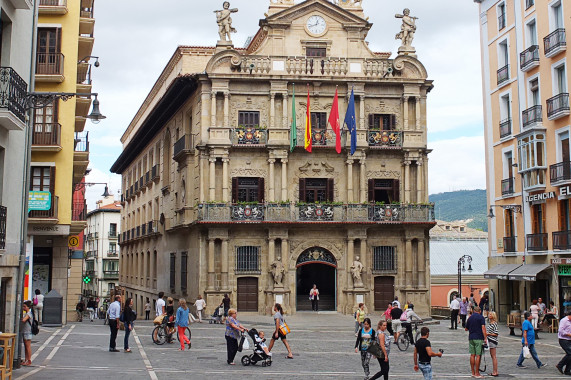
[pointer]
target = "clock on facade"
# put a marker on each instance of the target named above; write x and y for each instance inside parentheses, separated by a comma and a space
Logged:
(316, 25)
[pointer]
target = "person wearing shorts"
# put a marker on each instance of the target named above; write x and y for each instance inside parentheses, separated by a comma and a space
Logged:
(396, 312)
(476, 325)
(279, 320)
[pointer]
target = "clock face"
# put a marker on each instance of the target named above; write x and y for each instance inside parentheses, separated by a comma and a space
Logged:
(316, 25)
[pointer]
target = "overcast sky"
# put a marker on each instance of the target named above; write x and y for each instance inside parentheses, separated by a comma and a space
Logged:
(135, 39)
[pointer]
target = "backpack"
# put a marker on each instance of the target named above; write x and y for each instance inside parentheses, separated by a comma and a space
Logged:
(403, 317)
(35, 301)
(34, 324)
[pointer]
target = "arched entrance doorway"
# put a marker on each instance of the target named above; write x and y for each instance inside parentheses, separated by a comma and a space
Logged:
(316, 266)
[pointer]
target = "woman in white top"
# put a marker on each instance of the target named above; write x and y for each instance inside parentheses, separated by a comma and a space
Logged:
(200, 305)
(314, 297)
(534, 308)
(38, 303)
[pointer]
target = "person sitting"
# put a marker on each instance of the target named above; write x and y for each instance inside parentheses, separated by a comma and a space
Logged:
(551, 313)
(262, 341)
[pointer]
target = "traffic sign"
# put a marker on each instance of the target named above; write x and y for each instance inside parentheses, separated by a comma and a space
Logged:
(73, 241)
(86, 279)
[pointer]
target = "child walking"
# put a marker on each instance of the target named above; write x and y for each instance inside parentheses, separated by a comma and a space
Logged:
(182, 323)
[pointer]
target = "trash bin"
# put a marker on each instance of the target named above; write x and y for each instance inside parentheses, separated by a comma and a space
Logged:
(53, 308)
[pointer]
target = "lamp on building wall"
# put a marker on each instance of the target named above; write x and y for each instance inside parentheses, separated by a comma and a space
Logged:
(462, 268)
(82, 185)
(84, 60)
(42, 99)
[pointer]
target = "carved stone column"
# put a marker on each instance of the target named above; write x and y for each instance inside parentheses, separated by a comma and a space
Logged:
(271, 197)
(417, 108)
(225, 264)
(225, 187)
(201, 179)
(285, 252)
(285, 110)
(349, 181)
(212, 175)
(421, 264)
(408, 262)
(213, 109)
(363, 254)
(405, 112)
(271, 251)
(419, 184)
(406, 181)
(226, 109)
(425, 170)
(211, 263)
(363, 181)
(284, 180)
(362, 112)
(272, 110)
(350, 259)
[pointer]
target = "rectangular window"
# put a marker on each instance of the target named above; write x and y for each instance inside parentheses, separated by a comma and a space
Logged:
(248, 119)
(247, 189)
(112, 229)
(110, 266)
(384, 259)
(501, 16)
(503, 58)
(383, 190)
(172, 281)
(319, 120)
(561, 81)
(538, 215)
(316, 52)
(183, 271)
(43, 178)
(509, 223)
(49, 58)
(534, 90)
(558, 16)
(383, 122)
(247, 259)
(112, 248)
(564, 215)
(532, 33)
(312, 190)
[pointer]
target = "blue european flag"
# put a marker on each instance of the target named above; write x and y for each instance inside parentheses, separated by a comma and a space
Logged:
(351, 122)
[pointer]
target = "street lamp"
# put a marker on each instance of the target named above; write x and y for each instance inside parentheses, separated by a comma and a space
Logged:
(461, 268)
(36, 100)
(82, 185)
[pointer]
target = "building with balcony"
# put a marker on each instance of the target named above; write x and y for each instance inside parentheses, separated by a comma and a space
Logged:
(60, 146)
(102, 248)
(15, 79)
(216, 200)
(527, 131)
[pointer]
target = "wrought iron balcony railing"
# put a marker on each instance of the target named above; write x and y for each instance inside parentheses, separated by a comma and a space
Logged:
(320, 137)
(503, 74)
(249, 136)
(508, 186)
(49, 63)
(3, 225)
(182, 147)
(560, 172)
(112, 234)
(110, 274)
(46, 134)
(53, 3)
(509, 244)
(529, 58)
(558, 106)
(505, 128)
(155, 173)
(112, 253)
(532, 115)
(537, 242)
(562, 240)
(554, 42)
(384, 139)
(13, 92)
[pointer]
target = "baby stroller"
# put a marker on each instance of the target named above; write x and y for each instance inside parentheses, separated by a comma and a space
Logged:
(217, 316)
(259, 355)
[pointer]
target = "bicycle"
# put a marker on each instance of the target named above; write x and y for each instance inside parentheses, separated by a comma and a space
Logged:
(403, 341)
(164, 333)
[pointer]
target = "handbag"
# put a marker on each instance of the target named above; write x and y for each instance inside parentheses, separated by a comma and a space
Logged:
(526, 353)
(403, 317)
(284, 329)
(158, 320)
(375, 350)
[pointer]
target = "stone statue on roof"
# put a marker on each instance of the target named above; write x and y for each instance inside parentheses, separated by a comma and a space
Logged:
(408, 28)
(349, 3)
(224, 20)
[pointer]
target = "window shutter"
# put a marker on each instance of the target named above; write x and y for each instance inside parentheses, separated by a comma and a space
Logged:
(396, 190)
(302, 189)
(261, 189)
(542, 218)
(234, 189)
(535, 220)
(371, 121)
(330, 189)
(393, 121)
(371, 186)
(508, 223)
(561, 209)
(52, 180)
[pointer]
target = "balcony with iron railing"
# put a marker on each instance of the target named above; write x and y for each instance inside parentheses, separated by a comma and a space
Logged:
(110, 274)
(537, 242)
(182, 147)
(320, 138)
(555, 43)
(112, 234)
(46, 137)
(560, 173)
(144, 229)
(508, 186)
(561, 240)
(49, 67)
(558, 106)
(52, 7)
(509, 244)
(529, 58)
(532, 116)
(505, 128)
(12, 99)
(503, 74)
(384, 139)
(248, 136)
(155, 173)
(3, 226)
(51, 214)
(112, 254)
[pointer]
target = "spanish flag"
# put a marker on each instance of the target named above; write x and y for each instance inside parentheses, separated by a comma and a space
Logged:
(308, 124)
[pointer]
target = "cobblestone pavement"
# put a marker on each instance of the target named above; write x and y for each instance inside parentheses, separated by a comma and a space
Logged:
(323, 346)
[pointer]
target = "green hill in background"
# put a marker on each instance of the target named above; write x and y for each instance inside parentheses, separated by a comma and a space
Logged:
(462, 205)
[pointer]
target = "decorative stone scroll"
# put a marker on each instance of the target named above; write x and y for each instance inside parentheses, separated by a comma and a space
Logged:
(316, 255)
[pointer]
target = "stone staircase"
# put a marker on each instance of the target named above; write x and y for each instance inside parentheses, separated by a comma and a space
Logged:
(326, 303)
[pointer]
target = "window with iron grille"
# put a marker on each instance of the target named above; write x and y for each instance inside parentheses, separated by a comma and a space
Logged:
(384, 259)
(183, 271)
(173, 271)
(247, 259)
(248, 119)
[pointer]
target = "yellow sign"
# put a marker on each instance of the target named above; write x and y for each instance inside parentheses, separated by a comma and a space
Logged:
(73, 241)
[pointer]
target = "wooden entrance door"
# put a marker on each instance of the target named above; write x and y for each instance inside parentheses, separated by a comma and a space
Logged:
(384, 292)
(247, 294)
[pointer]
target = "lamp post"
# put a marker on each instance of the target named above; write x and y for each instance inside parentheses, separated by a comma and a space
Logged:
(461, 268)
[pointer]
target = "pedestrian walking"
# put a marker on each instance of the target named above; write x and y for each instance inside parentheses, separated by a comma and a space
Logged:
(182, 323)
(314, 298)
(464, 306)
(160, 306)
(564, 335)
(359, 317)
(200, 305)
(38, 305)
(388, 318)
(476, 325)
(226, 305)
(472, 301)
(397, 302)
(365, 337)
(534, 309)
(528, 340)
(384, 341)
(114, 313)
(26, 331)
(484, 305)
(147, 310)
(493, 334)
(278, 334)
(91, 307)
(423, 354)
(233, 333)
(454, 311)
(129, 317)
(396, 313)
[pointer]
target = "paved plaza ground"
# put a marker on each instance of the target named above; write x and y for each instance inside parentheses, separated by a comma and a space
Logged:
(323, 346)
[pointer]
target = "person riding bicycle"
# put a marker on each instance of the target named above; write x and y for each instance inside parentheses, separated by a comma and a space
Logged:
(410, 314)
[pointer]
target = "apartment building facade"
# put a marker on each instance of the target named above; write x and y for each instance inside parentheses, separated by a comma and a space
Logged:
(217, 200)
(16, 42)
(526, 116)
(60, 146)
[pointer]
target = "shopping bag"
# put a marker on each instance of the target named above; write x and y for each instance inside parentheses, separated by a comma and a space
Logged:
(158, 320)
(191, 318)
(241, 343)
(284, 329)
(526, 353)
(246, 344)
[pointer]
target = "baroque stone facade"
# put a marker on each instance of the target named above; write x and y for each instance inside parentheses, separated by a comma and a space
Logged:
(216, 201)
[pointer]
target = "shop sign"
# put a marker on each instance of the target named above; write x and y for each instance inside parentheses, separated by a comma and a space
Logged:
(540, 197)
(50, 229)
(560, 261)
(564, 191)
(564, 270)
